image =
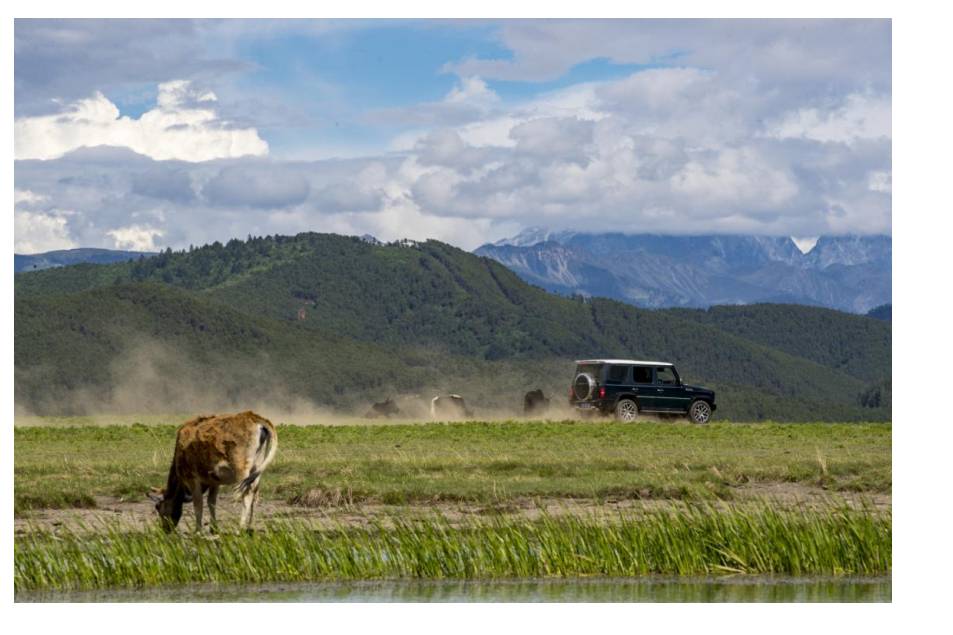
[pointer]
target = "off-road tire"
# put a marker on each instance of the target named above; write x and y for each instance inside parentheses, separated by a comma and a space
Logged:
(626, 411)
(699, 412)
(583, 386)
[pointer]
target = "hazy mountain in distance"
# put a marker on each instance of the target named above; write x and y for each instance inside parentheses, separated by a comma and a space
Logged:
(883, 312)
(848, 273)
(62, 258)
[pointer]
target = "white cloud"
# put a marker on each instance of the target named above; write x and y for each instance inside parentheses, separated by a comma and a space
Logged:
(880, 181)
(858, 117)
(470, 100)
(474, 91)
(794, 54)
(135, 237)
(36, 232)
(182, 126)
(659, 89)
(734, 177)
(257, 185)
(28, 197)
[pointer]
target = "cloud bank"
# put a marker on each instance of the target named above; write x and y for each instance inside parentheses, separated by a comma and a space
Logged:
(767, 127)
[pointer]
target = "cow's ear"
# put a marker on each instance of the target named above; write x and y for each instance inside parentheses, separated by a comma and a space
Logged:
(155, 494)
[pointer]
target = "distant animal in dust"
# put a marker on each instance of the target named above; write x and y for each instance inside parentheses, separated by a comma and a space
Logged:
(211, 451)
(535, 403)
(449, 407)
(385, 409)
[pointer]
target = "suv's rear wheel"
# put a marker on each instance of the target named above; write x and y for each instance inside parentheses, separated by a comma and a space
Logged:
(699, 412)
(626, 411)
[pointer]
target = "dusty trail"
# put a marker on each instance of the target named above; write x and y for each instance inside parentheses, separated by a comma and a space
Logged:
(140, 515)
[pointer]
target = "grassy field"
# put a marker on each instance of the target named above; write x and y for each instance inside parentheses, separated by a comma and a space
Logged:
(320, 466)
(467, 500)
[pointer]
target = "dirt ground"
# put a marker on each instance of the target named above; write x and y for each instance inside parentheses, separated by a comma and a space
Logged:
(124, 514)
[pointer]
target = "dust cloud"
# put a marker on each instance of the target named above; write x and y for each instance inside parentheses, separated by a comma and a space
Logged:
(149, 379)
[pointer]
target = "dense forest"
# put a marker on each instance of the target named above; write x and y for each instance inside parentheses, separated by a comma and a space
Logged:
(338, 322)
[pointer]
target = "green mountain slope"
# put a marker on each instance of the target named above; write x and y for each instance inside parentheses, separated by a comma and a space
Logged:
(852, 344)
(333, 319)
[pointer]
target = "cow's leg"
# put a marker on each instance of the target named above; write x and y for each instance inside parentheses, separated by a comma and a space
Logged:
(249, 498)
(212, 500)
(197, 504)
(253, 503)
(248, 502)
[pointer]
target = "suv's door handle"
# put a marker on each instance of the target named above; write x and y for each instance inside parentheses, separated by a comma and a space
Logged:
(659, 389)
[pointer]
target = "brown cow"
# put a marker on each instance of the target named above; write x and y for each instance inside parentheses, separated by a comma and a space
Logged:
(211, 451)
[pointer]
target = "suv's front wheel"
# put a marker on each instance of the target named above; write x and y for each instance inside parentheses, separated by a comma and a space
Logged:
(699, 412)
(626, 411)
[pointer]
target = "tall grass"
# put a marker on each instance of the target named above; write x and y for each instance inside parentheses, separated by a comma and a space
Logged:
(698, 540)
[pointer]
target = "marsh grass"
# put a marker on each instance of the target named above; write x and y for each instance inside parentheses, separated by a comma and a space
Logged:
(695, 540)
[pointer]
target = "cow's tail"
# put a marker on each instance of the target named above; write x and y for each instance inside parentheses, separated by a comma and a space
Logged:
(433, 407)
(267, 446)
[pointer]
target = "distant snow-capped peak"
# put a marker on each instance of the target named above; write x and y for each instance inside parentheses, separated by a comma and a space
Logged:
(533, 236)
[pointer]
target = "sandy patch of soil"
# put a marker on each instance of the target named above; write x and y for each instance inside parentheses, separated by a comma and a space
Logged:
(140, 514)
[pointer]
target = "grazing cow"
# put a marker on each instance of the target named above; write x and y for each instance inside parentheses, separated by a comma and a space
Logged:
(535, 402)
(449, 407)
(386, 409)
(211, 451)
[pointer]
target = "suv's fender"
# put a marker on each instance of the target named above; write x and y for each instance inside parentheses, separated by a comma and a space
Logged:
(626, 395)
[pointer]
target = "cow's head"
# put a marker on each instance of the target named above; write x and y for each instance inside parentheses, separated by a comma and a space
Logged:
(169, 508)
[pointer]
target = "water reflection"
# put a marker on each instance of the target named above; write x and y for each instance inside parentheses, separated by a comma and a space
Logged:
(649, 589)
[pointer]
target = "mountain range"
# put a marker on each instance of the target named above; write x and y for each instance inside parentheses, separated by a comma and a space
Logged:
(340, 322)
(848, 273)
(63, 257)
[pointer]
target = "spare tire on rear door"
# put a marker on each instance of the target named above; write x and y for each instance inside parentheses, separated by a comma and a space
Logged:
(583, 386)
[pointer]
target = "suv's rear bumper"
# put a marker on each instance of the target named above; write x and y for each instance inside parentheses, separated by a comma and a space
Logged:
(594, 405)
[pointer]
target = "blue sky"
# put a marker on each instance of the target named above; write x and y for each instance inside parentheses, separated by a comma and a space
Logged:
(465, 131)
(380, 66)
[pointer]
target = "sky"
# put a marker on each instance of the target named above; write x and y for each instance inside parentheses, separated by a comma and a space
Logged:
(147, 134)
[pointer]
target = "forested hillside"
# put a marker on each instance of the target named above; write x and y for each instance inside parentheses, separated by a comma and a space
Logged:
(336, 320)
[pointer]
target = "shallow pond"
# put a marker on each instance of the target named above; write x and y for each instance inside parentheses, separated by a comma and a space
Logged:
(647, 589)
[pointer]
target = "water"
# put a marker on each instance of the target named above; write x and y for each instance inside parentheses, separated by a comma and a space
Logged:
(647, 589)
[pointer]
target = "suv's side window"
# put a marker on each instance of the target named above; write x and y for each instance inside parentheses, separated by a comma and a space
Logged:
(643, 374)
(617, 374)
(664, 375)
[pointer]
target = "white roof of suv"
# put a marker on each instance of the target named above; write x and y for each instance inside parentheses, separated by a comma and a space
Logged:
(622, 361)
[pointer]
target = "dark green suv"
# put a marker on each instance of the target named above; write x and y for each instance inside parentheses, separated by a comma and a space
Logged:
(626, 387)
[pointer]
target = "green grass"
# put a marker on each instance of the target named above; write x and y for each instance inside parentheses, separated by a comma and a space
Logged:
(699, 540)
(56, 467)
